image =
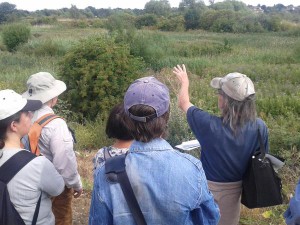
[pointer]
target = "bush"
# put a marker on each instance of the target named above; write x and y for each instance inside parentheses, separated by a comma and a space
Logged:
(97, 72)
(44, 48)
(15, 35)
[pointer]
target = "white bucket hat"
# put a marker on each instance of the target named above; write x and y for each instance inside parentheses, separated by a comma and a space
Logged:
(11, 103)
(43, 86)
(236, 85)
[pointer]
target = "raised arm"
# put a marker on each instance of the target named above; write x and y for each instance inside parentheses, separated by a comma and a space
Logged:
(183, 95)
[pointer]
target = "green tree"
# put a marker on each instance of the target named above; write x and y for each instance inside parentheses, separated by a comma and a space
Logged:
(97, 72)
(158, 7)
(6, 9)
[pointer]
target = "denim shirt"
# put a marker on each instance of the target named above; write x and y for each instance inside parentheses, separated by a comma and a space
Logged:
(292, 214)
(170, 187)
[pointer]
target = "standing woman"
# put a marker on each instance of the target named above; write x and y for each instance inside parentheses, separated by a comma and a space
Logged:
(227, 142)
(38, 177)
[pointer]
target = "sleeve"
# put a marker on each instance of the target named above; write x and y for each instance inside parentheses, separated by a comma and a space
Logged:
(51, 181)
(99, 212)
(206, 211)
(199, 121)
(292, 214)
(64, 159)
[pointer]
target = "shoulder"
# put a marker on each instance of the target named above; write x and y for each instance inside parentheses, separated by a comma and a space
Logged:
(189, 162)
(99, 157)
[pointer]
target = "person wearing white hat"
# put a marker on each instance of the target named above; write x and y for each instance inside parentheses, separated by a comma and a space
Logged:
(227, 142)
(38, 177)
(56, 142)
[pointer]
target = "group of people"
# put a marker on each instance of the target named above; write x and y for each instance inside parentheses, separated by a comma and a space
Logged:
(170, 187)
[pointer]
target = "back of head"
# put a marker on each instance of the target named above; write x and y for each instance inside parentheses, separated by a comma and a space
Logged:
(238, 95)
(147, 103)
(44, 87)
(117, 123)
(11, 106)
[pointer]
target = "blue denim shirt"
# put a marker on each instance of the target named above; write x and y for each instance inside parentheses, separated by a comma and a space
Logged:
(170, 187)
(292, 214)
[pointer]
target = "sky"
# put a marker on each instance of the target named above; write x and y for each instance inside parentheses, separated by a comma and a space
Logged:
(32, 5)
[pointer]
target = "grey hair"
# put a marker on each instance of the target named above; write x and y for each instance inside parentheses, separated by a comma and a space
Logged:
(238, 113)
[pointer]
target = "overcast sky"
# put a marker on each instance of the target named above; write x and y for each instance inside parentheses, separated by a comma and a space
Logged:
(32, 5)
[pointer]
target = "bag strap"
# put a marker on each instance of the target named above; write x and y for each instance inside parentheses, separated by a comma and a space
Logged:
(261, 143)
(116, 165)
(45, 119)
(13, 165)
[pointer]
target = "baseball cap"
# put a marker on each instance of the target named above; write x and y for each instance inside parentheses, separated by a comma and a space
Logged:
(43, 86)
(150, 92)
(236, 85)
(11, 103)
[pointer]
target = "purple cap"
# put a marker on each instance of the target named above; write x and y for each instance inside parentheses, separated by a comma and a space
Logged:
(150, 92)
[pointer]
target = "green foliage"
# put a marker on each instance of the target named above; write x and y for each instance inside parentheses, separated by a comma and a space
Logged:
(192, 19)
(146, 20)
(44, 20)
(14, 35)
(158, 7)
(120, 22)
(174, 23)
(97, 72)
(6, 10)
(44, 48)
(230, 5)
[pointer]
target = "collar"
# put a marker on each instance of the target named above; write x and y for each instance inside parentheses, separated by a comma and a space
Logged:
(158, 144)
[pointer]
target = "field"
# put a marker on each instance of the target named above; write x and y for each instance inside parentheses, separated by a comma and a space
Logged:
(271, 60)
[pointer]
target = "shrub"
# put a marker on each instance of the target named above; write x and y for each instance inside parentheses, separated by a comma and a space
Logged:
(97, 72)
(44, 48)
(15, 35)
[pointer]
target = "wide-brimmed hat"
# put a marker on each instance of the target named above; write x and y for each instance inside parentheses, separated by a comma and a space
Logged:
(236, 85)
(150, 92)
(43, 86)
(12, 102)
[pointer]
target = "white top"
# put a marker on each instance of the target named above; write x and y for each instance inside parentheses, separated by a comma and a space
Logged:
(36, 177)
(56, 144)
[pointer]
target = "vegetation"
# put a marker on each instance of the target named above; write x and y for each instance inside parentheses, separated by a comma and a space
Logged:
(99, 57)
(14, 35)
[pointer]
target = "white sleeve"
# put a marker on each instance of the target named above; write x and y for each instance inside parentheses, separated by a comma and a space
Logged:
(64, 159)
(51, 181)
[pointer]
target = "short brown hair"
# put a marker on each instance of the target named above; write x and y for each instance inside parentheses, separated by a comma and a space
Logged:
(147, 131)
(117, 122)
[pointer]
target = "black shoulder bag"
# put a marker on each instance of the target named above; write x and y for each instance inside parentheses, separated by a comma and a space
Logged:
(116, 172)
(261, 184)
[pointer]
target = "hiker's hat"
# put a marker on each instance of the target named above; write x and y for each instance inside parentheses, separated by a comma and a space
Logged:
(147, 91)
(236, 85)
(43, 86)
(12, 102)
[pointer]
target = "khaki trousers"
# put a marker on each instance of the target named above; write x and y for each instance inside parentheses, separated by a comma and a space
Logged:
(228, 197)
(62, 207)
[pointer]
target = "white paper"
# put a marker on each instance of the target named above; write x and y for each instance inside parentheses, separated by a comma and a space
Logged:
(188, 145)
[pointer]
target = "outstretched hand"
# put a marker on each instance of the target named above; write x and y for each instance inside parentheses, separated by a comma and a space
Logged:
(180, 72)
(183, 95)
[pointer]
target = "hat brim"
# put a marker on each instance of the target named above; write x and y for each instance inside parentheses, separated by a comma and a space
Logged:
(58, 88)
(216, 82)
(32, 105)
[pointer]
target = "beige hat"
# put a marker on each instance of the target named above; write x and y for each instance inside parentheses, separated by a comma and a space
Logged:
(236, 85)
(11, 103)
(43, 86)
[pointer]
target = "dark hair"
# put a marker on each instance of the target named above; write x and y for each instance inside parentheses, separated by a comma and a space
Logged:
(117, 122)
(147, 131)
(4, 124)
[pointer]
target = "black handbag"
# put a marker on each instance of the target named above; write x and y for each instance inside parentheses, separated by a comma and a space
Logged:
(261, 184)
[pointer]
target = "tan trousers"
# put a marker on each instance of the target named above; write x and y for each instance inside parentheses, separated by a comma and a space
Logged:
(228, 197)
(62, 207)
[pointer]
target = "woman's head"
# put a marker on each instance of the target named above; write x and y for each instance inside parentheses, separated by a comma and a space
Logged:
(147, 103)
(44, 87)
(15, 116)
(117, 124)
(236, 99)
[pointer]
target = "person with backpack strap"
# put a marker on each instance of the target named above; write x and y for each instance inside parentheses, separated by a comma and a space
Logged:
(55, 142)
(26, 182)
(170, 187)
